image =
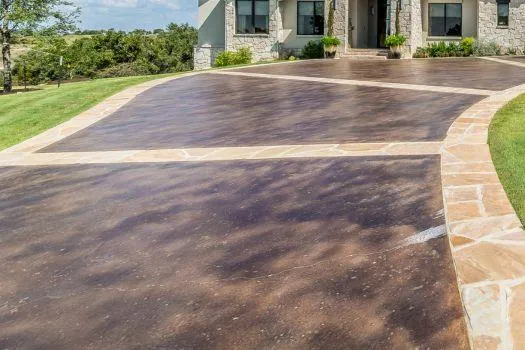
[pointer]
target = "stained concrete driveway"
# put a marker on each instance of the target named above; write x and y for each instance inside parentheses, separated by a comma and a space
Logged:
(311, 252)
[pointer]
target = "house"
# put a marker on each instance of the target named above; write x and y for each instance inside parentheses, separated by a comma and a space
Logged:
(271, 28)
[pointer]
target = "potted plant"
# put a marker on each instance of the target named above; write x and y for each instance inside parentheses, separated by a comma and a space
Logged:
(330, 44)
(395, 42)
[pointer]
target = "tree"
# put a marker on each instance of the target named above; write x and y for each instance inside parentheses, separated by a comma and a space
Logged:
(19, 15)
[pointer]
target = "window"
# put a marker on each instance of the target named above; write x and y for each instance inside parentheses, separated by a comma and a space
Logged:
(252, 16)
(444, 19)
(310, 17)
(503, 13)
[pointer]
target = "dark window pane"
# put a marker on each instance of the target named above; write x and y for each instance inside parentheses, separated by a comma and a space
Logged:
(436, 19)
(445, 20)
(503, 14)
(310, 17)
(453, 19)
(244, 17)
(252, 16)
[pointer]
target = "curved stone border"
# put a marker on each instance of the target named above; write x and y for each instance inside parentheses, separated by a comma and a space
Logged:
(486, 236)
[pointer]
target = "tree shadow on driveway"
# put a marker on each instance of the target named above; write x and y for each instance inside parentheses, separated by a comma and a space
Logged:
(241, 254)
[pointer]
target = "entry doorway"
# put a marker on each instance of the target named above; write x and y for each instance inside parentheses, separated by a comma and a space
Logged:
(370, 23)
(383, 22)
(378, 16)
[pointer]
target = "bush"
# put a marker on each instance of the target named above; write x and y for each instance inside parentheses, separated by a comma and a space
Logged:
(395, 40)
(328, 41)
(313, 49)
(125, 70)
(420, 53)
(486, 49)
(243, 56)
(109, 53)
(230, 58)
(443, 49)
(467, 46)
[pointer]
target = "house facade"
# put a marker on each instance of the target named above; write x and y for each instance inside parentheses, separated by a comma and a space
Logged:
(277, 28)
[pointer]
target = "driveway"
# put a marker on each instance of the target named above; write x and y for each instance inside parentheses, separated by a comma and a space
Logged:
(281, 206)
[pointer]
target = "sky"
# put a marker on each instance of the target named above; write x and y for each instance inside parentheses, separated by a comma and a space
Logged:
(136, 14)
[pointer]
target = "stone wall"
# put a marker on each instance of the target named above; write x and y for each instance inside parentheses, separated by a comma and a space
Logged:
(512, 36)
(263, 46)
(410, 23)
(340, 21)
(204, 56)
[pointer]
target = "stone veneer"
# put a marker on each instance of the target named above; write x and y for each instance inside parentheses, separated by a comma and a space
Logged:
(512, 36)
(410, 23)
(204, 56)
(340, 21)
(263, 46)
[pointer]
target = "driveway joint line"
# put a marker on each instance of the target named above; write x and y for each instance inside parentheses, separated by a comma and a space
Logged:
(509, 62)
(365, 83)
(223, 153)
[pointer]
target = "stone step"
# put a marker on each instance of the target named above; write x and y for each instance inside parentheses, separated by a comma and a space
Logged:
(364, 57)
(367, 52)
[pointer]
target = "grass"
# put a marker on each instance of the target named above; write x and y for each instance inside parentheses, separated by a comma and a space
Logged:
(27, 114)
(507, 145)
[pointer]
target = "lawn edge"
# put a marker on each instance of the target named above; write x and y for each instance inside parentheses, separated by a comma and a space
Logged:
(485, 233)
(88, 117)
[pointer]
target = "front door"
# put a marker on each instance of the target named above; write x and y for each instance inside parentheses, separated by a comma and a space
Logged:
(383, 21)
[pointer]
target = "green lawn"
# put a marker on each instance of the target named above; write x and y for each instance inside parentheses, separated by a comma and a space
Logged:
(507, 145)
(27, 114)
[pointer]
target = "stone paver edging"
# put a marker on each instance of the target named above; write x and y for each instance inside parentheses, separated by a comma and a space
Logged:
(499, 60)
(365, 83)
(223, 153)
(486, 236)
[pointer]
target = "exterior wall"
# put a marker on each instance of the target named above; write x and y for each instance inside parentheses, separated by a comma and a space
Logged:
(340, 22)
(290, 40)
(211, 33)
(512, 36)
(204, 56)
(263, 46)
(410, 23)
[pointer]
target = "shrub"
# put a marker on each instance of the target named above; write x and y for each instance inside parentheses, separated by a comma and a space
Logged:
(486, 49)
(109, 53)
(467, 46)
(243, 56)
(328, 41)
(291, 58)
(230, 58)
(441, 49)
(512, 51)
(313, 49)
(126, 70)
(420, 53)
(395, 40)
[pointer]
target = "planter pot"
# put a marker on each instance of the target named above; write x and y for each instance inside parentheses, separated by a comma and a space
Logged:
(330, 51)
(396, 49)
(395, 52)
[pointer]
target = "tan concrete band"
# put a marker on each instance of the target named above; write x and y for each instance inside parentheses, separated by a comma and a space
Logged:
(486, 236)
(510, 63)
(89, 117)
(221, 153)
(366, 83)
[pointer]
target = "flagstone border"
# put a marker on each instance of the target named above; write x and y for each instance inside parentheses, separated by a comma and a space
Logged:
(222, 153)
(486, 236)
